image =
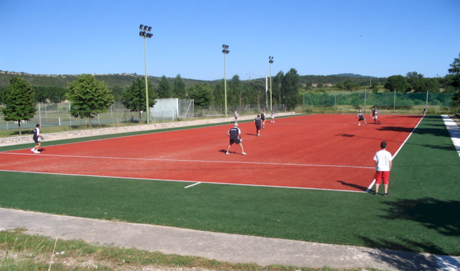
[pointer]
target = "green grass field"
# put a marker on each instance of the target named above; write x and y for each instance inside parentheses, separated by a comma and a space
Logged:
(420, 215)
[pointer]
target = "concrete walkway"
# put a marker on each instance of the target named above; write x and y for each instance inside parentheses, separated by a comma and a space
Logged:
(221, 246)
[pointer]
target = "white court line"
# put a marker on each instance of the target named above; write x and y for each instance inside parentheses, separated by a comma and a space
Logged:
(400, 147)
(454, 131)
(182, 160)
(184, 181)
(192, 185)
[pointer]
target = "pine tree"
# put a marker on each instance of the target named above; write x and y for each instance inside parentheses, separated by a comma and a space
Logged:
(134, 96)
(19, 100)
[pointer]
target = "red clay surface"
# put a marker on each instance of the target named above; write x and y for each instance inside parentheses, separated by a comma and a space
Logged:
(315, 151)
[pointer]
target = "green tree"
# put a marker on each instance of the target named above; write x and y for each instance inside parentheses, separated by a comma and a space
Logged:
(117, 93)
(164, 88)
(19, 100)
(2, 90)
(417, 81)
(218, 93)
(234, 91)
(290, 89)
(89, 97)
(277, 95)
(134, 96)
(431, 85)
(201, 94)
(350, 85)
(178, 88)
(375, 87)
(454, 81)
(397, 83)
(455, 72)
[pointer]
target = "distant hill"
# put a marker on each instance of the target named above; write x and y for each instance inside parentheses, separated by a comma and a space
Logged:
(124, 79)
(352, 75)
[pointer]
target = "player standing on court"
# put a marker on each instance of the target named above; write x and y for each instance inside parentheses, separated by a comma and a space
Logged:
(262, 117)
(384, 162)
(235, 137)
(236, 116)
(258, 122)
(36, 137)
(360, 117)
(374, 114)
(273, 116)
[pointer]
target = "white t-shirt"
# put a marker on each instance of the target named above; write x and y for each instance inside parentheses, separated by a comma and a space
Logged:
(383, 158)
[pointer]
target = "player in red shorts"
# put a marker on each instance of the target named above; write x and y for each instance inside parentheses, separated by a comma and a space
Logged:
(384, 161)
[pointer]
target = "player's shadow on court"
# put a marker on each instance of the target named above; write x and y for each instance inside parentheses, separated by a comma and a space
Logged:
(353, 185)
(251, 134)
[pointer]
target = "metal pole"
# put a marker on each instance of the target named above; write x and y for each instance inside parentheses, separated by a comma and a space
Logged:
(225, 87)
(271, 93)
(426, 104)
(364, 109)
(39, 115)
(146, 85)
(394, 103)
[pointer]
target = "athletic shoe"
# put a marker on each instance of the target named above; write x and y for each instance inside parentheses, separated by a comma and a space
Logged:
(359, 124)
(243, 153)
(227, 153)
(376, 193)
(36, 152)
(32, 149)
(258, 135)
(263, 127)
(386, 195)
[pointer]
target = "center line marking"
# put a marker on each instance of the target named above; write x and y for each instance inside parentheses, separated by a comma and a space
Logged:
(193, 161)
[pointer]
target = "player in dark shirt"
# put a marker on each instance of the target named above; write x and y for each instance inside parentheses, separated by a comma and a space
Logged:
(258, 122)
(235, 137)
(262, 116)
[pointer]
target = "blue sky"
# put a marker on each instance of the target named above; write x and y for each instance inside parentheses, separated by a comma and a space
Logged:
(368, 37)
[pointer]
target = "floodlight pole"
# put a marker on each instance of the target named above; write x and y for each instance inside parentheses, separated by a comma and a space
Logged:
(270, 60)
(144, 29)
(225, 51)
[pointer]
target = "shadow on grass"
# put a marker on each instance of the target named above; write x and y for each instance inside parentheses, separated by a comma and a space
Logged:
(435, 214)
(403, 257)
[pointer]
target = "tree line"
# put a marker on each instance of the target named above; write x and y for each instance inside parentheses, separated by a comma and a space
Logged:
(90, 96)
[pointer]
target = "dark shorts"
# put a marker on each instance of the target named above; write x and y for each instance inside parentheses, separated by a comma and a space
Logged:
(361, 118)
(258, 127)
(263, 118)
(237, 141)
(36, 140)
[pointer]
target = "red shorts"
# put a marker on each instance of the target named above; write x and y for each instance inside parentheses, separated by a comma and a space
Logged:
(382, 175)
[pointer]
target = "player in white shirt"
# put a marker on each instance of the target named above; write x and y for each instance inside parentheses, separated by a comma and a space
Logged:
(384, 162)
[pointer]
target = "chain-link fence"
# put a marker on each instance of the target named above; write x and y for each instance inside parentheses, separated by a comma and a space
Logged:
(388, 102)
(57, 114)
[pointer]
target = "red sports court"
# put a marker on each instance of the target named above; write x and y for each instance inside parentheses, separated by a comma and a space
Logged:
(311, 151)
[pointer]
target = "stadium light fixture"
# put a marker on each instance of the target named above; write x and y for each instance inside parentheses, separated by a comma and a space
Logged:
(143, 33)
(225, 51)
(270, 60)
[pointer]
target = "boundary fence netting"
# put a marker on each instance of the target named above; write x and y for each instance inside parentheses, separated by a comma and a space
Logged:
(388, 102)
(164, 110)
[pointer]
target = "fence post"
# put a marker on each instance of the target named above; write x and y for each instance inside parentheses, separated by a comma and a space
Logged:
(70, 117)
(394, 103)
(39, 115)
(364, 109)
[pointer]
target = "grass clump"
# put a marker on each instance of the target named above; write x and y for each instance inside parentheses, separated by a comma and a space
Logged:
(20, 251)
